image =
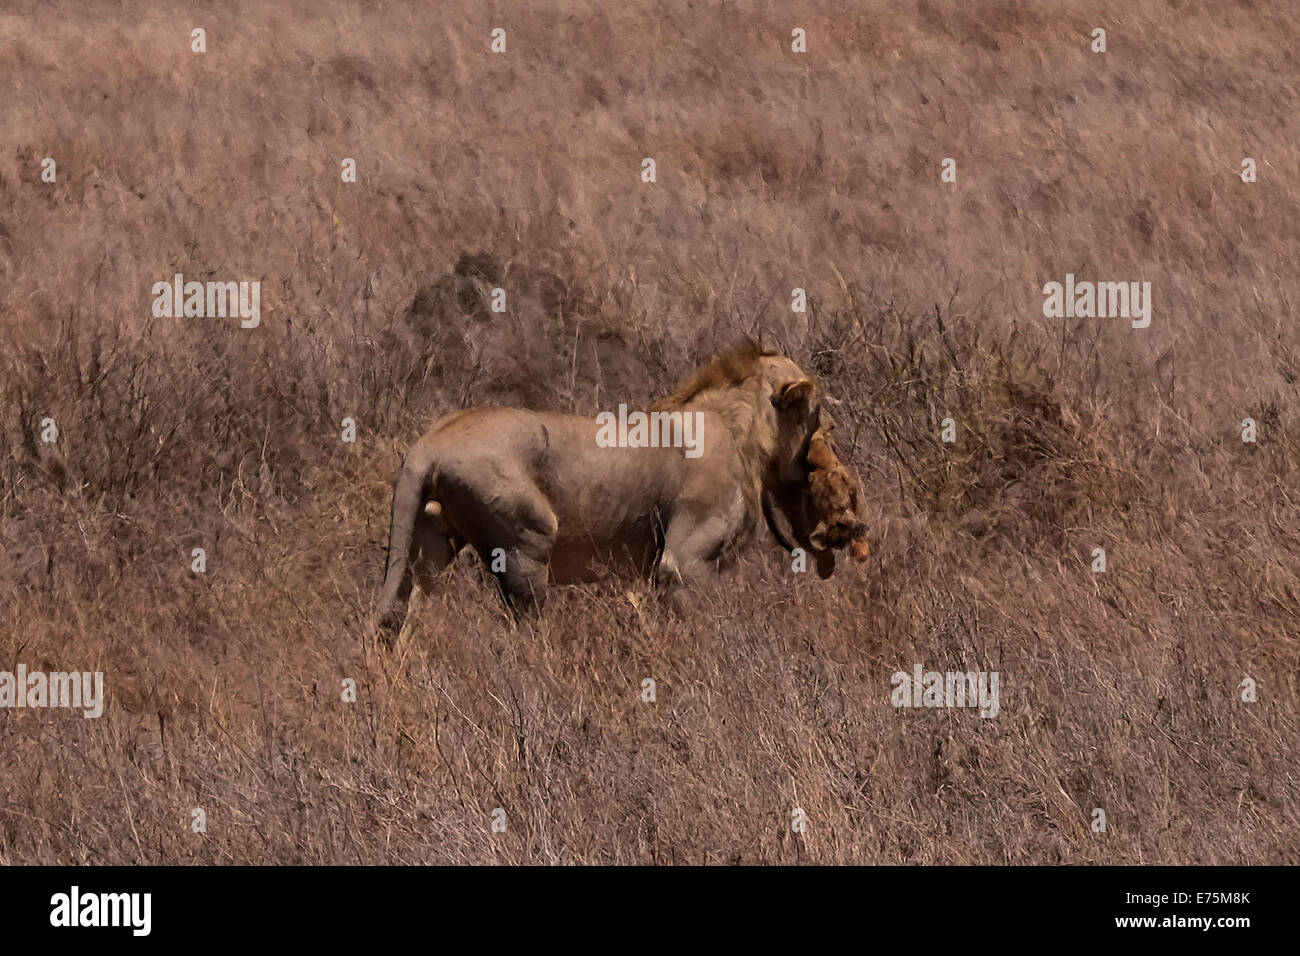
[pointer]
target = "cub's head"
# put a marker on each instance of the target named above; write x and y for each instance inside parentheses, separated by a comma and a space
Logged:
(836, 500)
(821, 510)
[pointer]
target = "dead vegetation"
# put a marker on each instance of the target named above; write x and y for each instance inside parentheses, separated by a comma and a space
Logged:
(1120, 690)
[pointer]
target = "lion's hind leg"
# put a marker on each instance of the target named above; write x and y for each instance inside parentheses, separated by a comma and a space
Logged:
(517, 548)
(523, 582)
(433, 549)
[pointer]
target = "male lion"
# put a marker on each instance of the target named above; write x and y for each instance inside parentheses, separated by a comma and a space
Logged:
(539, 498)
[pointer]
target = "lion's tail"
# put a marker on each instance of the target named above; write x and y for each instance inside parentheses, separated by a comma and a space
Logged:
(408, 496)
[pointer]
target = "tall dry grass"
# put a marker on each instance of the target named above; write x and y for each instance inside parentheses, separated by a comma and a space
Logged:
(1120, 690)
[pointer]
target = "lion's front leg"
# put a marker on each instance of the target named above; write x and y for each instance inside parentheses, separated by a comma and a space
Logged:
(691, 546)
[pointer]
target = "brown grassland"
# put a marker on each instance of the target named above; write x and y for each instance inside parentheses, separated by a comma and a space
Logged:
(1120, 690)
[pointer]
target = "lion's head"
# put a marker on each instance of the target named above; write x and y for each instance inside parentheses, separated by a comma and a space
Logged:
(791, 472)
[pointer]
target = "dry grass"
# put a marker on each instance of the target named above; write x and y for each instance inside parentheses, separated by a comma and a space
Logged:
(775, 171)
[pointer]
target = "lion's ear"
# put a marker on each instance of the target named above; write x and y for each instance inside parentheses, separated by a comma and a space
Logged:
(798, 394)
